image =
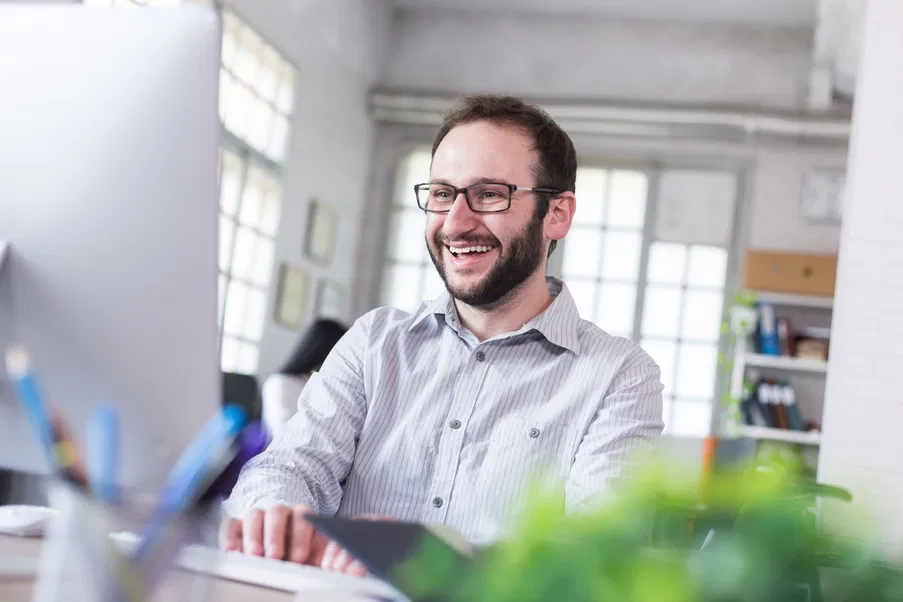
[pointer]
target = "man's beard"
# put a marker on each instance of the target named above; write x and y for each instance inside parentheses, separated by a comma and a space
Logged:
(516, 262)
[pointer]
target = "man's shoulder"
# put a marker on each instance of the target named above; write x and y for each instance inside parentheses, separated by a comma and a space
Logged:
(598, 344)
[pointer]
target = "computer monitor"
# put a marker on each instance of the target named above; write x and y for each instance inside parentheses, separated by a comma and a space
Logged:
(109, 132)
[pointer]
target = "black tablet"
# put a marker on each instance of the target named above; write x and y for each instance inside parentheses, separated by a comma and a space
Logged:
(383, 547)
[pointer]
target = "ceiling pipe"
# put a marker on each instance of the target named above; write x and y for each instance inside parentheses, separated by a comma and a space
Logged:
(628, 120)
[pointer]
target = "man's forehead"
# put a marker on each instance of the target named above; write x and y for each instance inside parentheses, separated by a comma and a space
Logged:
(483, 149)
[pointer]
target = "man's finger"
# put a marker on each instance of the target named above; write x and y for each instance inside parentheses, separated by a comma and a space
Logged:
(301, 535)
(342, 561)
(275, 531)
(252, 532)
(230, 535)
(356, 569)
(330, 555)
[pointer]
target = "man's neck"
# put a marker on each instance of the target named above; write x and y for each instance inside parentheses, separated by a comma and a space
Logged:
(528, 301)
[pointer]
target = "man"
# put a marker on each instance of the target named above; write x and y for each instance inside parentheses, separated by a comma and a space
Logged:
(443, 415)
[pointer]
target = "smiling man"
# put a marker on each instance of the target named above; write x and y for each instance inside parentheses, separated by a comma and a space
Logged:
(442, 416)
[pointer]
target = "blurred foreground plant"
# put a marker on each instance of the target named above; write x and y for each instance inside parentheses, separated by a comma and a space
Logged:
(754, 539)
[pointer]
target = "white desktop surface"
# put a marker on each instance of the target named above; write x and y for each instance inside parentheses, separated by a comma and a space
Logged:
(19, 589)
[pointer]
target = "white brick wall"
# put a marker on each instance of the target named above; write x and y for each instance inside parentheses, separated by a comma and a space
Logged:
(863, 424)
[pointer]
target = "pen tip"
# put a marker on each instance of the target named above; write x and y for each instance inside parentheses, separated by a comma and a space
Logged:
(17, 361)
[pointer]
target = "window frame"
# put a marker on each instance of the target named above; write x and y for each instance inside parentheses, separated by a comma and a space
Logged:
(250, 155)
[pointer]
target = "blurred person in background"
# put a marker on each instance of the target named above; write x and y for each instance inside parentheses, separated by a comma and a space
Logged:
(282, 389)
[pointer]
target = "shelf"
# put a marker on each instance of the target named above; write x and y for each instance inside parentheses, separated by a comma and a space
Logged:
(770, 434)
(795, 300)
(780, 362)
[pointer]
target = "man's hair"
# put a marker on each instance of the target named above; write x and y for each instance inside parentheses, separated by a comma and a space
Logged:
(557, 166)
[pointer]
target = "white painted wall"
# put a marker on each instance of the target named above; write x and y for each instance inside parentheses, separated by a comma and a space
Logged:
(774, 221)
(554, 56)
(338, 47)
(861, 445)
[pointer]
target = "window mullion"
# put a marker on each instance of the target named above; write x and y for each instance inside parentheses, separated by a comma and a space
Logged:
(653, 178)
(243, 180)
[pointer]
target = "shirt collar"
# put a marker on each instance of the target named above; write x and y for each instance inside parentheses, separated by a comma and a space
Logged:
(559, 323)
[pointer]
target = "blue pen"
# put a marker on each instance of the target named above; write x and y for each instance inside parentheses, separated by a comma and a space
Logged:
(61, 451)
(190, 472)
(18, 366)
(102, 446)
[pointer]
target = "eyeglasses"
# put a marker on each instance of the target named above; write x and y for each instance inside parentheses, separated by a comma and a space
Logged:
(483, 197)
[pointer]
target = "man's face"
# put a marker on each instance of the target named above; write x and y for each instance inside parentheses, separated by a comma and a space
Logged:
(482, 257)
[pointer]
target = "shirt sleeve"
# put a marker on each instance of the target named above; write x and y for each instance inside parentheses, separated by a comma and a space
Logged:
(311, 457)
(626, 427)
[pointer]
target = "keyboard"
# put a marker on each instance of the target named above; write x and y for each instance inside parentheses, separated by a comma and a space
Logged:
(273, 574)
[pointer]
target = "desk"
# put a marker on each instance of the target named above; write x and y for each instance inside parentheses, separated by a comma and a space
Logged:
(221, 590)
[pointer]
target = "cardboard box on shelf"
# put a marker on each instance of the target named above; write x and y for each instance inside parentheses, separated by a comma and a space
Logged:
(789, 272)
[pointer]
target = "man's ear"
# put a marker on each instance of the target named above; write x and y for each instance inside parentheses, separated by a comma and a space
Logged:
(560, 215)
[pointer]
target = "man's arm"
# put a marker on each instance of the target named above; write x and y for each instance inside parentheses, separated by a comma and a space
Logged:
(308, 461)
(627, 425)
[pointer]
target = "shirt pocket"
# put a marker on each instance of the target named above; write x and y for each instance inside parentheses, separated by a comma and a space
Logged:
(521, 451)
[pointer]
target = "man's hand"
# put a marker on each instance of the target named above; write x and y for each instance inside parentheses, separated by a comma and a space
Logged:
(282, 533)
(279, 532)
(335, 558)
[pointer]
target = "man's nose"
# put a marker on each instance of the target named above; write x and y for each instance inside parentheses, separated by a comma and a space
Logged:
(460, 210)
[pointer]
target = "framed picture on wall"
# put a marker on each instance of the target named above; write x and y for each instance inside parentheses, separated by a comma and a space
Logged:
(330, 300)
(319, 239)
(823, 196)
(291, 297)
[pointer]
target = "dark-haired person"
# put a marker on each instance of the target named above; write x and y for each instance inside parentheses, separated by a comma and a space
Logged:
(442, 415)
(282, 389)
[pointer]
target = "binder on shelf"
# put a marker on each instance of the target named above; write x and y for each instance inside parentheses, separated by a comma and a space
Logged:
(788, 398)
(768, 330)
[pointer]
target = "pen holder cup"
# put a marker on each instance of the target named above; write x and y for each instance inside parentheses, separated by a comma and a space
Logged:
(88, 548)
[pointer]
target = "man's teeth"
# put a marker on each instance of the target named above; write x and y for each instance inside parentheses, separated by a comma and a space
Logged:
(461, 250)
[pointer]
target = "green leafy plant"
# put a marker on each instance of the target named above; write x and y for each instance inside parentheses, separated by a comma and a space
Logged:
(752, 540)
(742, 299)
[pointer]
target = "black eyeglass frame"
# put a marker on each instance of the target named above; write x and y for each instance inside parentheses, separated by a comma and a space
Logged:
(512, 188)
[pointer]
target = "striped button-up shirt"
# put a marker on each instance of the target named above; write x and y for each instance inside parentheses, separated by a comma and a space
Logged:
(412, 416)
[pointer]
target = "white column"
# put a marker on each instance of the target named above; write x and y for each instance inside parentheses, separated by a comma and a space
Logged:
(862, 445)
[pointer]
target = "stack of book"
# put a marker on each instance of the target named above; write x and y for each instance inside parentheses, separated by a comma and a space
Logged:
(775, 335)
(772, 404)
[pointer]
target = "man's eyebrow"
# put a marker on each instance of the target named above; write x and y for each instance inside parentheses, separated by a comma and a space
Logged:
(484, 180)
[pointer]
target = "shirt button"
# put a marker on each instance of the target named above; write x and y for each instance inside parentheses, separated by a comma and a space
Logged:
(437, 502)
(455, 424)
(480, 356)
(534, 433)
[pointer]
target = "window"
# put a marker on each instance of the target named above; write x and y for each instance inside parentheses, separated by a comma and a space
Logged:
(680, 292)
(409, 276)
(602, 252)
(681, 329)
(256, 105)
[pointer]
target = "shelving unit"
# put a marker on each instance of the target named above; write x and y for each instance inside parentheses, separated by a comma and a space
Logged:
(796, 300)
(768, 434)
(745, 359)
(792, 364)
